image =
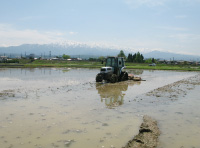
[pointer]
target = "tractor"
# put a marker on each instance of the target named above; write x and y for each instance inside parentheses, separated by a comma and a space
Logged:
(112, 72)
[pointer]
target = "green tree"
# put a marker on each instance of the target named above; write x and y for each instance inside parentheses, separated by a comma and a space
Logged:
(65, 56)
(148, 60)
(142, 58)
(101, 58)
(130, 58)
(93, 59)
(121, 54)
(138, 57)
(153, 60)
(134, 58)
(185, 63)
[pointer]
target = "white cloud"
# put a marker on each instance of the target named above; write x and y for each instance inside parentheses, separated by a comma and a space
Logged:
(186, 37)
(186, 43)
(73, 33)
(10, 36)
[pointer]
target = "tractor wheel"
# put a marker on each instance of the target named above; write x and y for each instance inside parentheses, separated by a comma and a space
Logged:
(99, 78)
(125, 76)
(113, 78)
(121, 75)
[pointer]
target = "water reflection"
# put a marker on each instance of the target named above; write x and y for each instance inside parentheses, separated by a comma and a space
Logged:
(32, 73)
(112, 94)
(136, 71)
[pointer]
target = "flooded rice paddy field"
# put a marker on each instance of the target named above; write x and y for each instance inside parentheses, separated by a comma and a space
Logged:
(58, 107)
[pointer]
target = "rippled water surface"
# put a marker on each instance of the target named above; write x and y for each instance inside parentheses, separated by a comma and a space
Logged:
(57, 107)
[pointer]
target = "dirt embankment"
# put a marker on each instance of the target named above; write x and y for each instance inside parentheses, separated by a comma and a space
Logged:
(176, 89)
(169, 93)
(149, 131)
(147, 136)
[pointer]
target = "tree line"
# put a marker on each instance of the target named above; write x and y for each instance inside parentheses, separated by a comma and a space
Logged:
(136, 58)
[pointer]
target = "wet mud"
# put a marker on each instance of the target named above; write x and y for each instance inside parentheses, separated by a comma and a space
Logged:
(170, 92)
(7, 94)
(52, 107)
(175, 92)
(147, 136)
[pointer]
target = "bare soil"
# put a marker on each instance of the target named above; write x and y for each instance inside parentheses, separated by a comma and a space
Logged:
(6, 93)
(147, 136)
(176, 89)
(149, 131)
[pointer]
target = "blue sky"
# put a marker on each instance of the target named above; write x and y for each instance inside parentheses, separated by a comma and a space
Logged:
(134, 25)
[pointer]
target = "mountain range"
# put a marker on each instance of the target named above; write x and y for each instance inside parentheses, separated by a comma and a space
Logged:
(57, 49)
(171, 56)
(84, 51)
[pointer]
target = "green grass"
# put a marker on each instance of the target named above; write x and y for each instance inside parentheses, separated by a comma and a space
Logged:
(90, 64)
(163, 67)
(76, 64)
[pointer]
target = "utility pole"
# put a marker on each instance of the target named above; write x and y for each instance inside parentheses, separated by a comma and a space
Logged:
(49, 54)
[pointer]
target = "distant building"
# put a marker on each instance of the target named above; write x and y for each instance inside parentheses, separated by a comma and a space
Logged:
(3, 58)
(31, 56)
(54, 59)
(74, 59)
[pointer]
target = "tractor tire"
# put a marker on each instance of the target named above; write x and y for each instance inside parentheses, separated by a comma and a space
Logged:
(125, 76)
(121, 75)
(99, 78)
(113, 78)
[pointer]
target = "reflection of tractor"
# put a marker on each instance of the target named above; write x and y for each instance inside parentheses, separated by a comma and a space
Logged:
(112, 94)
(112, 72)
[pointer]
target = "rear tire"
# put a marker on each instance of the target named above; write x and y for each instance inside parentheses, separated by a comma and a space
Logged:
(99, 78)
(113, 78)
(125, 76)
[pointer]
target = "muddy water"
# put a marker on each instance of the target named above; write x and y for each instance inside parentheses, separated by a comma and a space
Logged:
(180, 122)
(54, 107)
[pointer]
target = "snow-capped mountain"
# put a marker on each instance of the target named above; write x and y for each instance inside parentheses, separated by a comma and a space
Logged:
(85, 50)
